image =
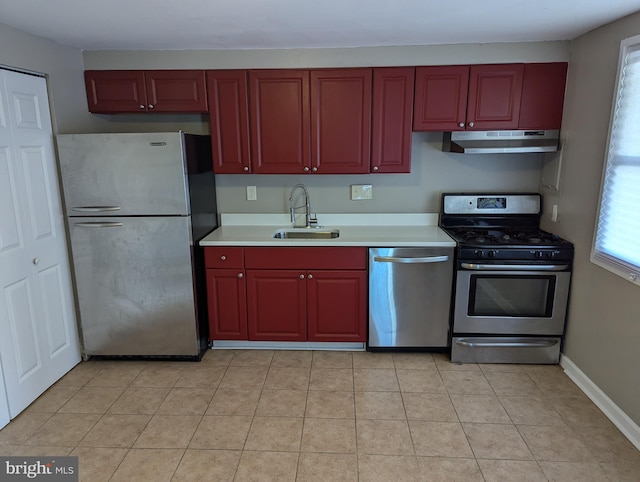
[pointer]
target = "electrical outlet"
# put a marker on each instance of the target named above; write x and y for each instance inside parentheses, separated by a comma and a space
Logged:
(361, 191)
(252, 193)
(554, 213)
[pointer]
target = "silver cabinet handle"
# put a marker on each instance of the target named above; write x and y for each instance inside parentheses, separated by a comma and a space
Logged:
(518, 344)
(98, 225)
(223, 258)
(301, 276)
(150, 106)
(310, 276)
(470, 124)
(314, 169)
(514, 267)
(375, 168)
(461, 124)
(240, 275)
(306, 169)
(95, 209)
(427, 259)
(35, 260)
(141, 106)
(245, 169)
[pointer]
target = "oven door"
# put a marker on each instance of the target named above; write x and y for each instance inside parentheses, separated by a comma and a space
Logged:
(511, 300)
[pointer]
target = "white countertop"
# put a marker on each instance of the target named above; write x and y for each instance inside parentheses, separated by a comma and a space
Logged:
(384, 230)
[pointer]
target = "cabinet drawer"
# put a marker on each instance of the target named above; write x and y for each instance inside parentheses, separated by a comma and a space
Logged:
(223, 257)
(306, 258)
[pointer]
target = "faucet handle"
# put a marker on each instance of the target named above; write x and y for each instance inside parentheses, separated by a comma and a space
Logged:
(313, 219)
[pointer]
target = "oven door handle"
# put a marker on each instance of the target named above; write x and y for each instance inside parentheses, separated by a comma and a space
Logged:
(425, 259)
(516, 344)
(515, 267)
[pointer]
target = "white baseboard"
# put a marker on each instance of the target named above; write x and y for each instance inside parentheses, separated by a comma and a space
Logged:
(628, 427)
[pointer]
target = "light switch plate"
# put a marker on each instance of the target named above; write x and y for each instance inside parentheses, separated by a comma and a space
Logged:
(361, 191)
(252, 193)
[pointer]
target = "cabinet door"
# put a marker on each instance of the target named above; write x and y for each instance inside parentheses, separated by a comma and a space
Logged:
(227, 304)
(277, 305)
(392, 114)
(279, 114)
(115, 91)
(229, 120)
(5, 416)
(543, 95)
(494, 96)
(337, 305)
(341, 121)
(176, 91)
(440, 102)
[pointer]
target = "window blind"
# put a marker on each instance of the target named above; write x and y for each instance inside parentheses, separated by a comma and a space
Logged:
(617, 239)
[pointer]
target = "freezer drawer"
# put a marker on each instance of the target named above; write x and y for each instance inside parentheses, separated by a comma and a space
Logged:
(410, 297)
(135, 285)
(495, 349)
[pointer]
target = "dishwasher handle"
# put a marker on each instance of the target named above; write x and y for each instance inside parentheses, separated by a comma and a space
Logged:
(416, 260)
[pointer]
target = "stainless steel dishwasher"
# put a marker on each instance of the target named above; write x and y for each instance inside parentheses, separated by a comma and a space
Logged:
(410, 297)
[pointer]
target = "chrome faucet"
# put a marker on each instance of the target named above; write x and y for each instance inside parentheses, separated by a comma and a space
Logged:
(310, 219)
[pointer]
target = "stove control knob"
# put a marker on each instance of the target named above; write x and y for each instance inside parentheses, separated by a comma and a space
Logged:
(492, 253)
(479, 254)
(539, 254)
(551, 254)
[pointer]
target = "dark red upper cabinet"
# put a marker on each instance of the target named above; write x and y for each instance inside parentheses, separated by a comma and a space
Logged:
(279, 121)
(115, 91)
(391, 121)
(543, 89)
(441, 98)
(176, 91)
(494, 96)
(128, 91)
(341, 121)
(229, 121)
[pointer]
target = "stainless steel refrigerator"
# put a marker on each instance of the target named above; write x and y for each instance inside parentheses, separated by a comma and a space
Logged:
(136, 206)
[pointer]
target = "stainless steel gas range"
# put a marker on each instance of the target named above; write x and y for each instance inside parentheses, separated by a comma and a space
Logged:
(511, 282)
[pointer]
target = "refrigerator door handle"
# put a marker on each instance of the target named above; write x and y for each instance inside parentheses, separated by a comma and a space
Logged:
(95, 209)
(98, 225)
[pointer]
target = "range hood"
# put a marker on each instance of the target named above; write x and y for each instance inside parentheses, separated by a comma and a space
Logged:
(499, 142)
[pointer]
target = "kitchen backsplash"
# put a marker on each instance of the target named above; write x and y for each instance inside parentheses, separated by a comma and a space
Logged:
(432, 172)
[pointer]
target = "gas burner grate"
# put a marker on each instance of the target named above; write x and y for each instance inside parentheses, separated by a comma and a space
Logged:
(506, 236)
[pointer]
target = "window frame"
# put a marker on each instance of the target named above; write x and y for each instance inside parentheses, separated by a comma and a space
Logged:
(608, 261)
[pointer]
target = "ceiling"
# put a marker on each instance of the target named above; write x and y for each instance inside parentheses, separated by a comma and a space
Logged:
(262, 24)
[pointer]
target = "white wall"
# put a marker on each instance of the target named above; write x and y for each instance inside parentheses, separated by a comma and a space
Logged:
(63, 67)
(432, 171)
(604, 314)
(317, 58)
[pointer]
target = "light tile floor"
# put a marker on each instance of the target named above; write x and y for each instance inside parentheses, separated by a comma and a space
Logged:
(322, 416)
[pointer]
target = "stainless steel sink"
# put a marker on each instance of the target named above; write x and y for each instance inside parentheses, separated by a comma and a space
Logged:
(304, 233)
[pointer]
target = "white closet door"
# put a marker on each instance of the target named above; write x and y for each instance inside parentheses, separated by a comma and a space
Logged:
(39, 341)
(4, 405)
